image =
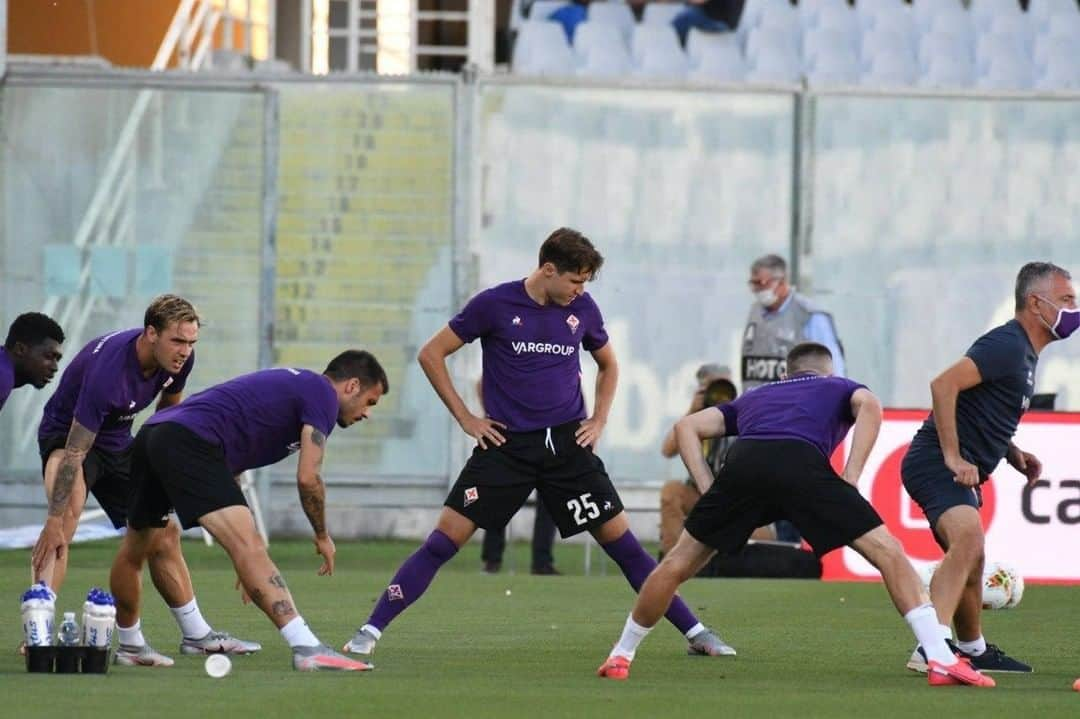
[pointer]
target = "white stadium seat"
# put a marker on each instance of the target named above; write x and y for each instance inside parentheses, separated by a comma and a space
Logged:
(614, 13)
(772, 67)
(1007, 74)
(542, 9)
(947, 72)
(590, 34)
(653, 38)
(661, 13)
(541, 49)
(718, 63)
(697, 41)
(818, 42)
(606, 61)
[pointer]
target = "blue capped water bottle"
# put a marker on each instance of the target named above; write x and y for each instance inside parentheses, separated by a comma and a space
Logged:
(38, 610)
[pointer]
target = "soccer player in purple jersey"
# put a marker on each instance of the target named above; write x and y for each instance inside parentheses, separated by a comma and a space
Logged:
(31, 353)
(536, 434)
(85, 442)
(186, 457)
(779, 467)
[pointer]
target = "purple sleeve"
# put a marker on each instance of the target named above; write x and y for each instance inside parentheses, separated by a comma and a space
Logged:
(730, 410)
(320, 406)
(595, 336)
(475, 319)
(93, 404)
(180, 378)
(850, 387)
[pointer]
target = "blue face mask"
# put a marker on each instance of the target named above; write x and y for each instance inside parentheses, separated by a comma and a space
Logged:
(1067, 322)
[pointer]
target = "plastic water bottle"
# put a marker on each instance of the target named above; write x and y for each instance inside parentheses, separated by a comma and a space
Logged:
(38, 610)
(68, 634)
(98, 619)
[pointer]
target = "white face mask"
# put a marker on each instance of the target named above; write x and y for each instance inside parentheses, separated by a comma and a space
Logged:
(766, 297)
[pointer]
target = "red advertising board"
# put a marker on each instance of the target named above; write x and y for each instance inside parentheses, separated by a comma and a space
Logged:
(1036, 530)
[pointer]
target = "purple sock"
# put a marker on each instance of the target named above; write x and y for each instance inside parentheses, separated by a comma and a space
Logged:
(412, 578)
(636, 564)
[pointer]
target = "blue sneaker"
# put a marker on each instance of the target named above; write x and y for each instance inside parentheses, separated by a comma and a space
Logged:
(995, 660)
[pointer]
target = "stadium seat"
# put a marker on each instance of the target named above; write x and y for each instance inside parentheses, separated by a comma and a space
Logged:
(663, 61)
(1047, 47)
(1007, 73)
(661, 13)
(653, 38)
(838, 17)
(839, 66)
(719, 63)
(1065, 25)
(953, 21)
(542, 9)
(927, 11)
(697, 41)
(891, 69)
(946, 72)
(1006, 24)
(591, 35)
(889, 18)
(541, 49)
(613, 13)
(986, 12)
(771, 41)
(1062, 72)
(775, 67)
(1042, 10)
(886, 42)
(754, 10)
(606, 61)
(818, 42)
(991, 46)
(810, 10)
(943, 45)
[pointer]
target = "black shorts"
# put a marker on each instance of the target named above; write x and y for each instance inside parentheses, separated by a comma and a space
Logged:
(173, 468)
(765, 480)
(570, 480)
(107, 476)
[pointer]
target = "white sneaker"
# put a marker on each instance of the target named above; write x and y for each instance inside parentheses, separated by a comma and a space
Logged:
(917, 662)
(322, 658)
(218, 643)
(144, 656)
(363, 642)
(709, 644)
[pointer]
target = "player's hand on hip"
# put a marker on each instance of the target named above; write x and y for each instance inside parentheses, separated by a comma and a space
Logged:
(483, 430)
(50, 546)
(1025, 463)
(325, 546)
(965, 473)
(588, 432)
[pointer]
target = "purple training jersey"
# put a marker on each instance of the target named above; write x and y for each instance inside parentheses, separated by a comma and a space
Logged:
(532, 375)
(257, 418)
(7, 376)
(808, 407)
(104, 388)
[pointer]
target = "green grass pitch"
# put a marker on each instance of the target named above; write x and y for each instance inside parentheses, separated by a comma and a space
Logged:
(806, 649)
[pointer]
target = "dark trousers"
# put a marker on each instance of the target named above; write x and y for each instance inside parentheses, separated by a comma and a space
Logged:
(542, 540)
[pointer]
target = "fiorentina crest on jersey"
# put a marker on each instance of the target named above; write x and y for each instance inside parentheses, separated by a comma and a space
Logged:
(471, 495)
(573, 321)
(394, 592)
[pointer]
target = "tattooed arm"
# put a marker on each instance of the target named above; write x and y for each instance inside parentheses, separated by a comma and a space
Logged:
(52, 543)
(312, 491)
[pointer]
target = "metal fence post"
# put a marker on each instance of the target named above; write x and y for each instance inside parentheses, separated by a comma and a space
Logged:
(271, 144)
(802, 189)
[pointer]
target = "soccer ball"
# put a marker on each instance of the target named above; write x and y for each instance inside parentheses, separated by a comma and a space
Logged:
(926, 573)
(997, 586)
(1017, 584)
